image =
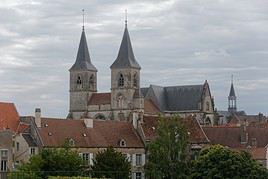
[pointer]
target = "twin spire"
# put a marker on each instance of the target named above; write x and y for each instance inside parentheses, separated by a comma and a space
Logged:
(125, 58)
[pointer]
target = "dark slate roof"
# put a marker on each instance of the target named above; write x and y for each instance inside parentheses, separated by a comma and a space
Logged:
(83, 61)
(125, 58)
(232, 91)
(175, 98)
(30, 141)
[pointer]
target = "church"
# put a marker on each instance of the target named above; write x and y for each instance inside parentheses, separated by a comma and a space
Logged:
(127, 99)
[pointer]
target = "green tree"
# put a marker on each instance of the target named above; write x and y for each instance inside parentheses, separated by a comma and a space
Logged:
(168, 153)
(111, 164)
(51, 162)
(218, 162)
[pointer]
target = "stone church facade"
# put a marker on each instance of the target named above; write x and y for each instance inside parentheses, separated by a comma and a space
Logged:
(125, 101)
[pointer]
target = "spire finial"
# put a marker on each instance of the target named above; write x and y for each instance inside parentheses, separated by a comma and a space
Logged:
(232, 78)
(126, 18)
(83, 14)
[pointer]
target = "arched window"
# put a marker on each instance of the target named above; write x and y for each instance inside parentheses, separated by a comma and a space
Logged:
(79, 81)
(207, 106)
(121, 80)
(122, 143)
(71, 142)
(135, 81)
(91, 81)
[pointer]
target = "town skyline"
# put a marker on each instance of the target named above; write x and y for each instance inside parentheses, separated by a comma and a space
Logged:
(36, 59)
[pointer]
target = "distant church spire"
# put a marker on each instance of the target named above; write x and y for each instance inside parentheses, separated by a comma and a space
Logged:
(232, 98)
(125, 58)
(83, 61)
(83, 14)
(125, 18)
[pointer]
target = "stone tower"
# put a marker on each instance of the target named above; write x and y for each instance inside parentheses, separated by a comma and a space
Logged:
(125, 82)
(232, 99)
(83, 81)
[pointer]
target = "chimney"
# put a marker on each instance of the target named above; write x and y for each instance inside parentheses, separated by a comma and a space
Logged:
(88, 123)
(37, 118)
(243, 133)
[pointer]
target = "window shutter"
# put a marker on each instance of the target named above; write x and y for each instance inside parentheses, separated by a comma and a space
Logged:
(143, 159)
(91, 158)
(133, 174)
(128, 157)
(133, 159)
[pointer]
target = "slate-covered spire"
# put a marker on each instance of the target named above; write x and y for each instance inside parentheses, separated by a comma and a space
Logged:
(125, 58)
(83, 61)
(232, 91)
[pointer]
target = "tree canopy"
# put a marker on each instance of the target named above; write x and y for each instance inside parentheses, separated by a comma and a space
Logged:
(51, 162)
(111, 164)
(221, 163)
(168, 152)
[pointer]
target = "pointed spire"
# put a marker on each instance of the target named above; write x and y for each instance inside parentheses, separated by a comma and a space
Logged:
(83, 61)
(83, 27)
(232, 91)
(125, 58)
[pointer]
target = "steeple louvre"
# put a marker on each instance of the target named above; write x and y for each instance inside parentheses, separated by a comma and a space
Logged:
(83, 61)
(125, 58)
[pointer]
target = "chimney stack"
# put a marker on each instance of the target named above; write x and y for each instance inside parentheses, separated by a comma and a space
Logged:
(88, 123)
(37, 118)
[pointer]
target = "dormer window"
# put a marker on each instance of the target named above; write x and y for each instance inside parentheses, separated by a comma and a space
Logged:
(121, 80)
(71, 142)
(122, 143)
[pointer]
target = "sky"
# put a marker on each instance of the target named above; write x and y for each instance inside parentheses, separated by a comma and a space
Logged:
(176, 42)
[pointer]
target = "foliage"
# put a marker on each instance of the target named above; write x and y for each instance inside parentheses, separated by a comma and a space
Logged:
(221, 163)
(51, 162)
(111, 164)
(64, 177)
(168, 152)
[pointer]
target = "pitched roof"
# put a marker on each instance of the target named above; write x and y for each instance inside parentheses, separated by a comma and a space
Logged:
(103, 133)
(83, 61)
(100, 98)
(9, 117)
(232, 91)
(30, 141)
(150, 107)
(125, 58)
(230, 136)
(175, 98)
(197, 135)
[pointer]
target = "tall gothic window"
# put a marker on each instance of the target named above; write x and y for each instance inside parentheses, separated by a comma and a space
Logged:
(91, 81)
(135, 81)
(121, 80)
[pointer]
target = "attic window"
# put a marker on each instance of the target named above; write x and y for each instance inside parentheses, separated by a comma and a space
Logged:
(122, 143)
(71, 142)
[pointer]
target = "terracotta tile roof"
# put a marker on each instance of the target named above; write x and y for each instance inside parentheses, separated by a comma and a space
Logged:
(150, 107)
(258, 153)
(103, 133)
(230, 136)
(9, 117)
(197, 135)
(100, 98)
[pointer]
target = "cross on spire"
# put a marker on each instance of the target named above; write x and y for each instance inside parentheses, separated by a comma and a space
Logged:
(126, 18)
(83, 14)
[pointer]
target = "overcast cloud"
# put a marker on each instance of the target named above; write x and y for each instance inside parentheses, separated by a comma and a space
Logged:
(176, 42)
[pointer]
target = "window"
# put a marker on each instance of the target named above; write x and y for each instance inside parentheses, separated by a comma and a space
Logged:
(207, 106)
(3, 162)
(100, 116)
(18, 146)
(32, 152)
(85, 157)
(79, 81)
(138, 160)
(91, 81)
(135, 81)
(121, 80)
(122, 143)
(71, 142)
(138, 175)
